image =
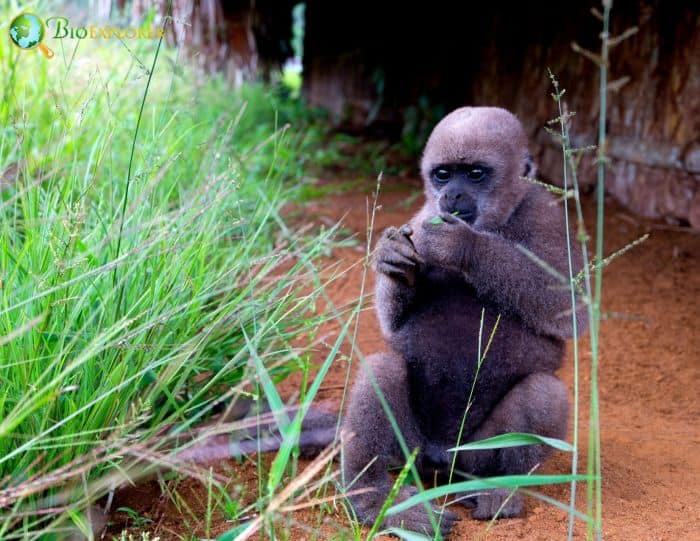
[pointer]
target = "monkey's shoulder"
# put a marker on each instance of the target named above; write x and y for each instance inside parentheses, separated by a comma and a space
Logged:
(538, 219)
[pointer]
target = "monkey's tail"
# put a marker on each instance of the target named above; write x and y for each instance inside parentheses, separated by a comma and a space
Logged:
(318, 430)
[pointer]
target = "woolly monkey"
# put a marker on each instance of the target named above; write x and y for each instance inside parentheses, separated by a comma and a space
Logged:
(473, 246)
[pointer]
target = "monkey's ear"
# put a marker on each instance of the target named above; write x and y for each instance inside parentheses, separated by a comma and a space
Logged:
(530, 170)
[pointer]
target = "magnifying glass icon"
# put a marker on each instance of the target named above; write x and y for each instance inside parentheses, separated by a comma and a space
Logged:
(27, 32)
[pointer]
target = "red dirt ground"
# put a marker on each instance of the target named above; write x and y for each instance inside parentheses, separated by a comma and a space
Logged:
(649, 381)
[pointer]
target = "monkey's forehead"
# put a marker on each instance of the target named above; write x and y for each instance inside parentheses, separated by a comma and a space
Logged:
(473, 134)
(473, 148)
(470, 124)
(489, 118)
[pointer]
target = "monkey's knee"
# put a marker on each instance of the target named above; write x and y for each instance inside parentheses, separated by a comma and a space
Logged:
(370, 445)
(369, 435)
(365, 411)
(544, 400)
(538, 405)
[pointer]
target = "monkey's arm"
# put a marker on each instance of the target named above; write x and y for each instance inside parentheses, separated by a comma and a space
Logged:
(522, 280)
(393, 300)
(527, 281)
(396, 262)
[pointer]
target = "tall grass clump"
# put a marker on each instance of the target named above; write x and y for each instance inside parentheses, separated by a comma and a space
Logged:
(144, 262)
(589, 281)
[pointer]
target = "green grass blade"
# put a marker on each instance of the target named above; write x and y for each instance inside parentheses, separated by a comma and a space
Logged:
(506, 481)
(407, 535)
(395, 488)
(514, 439)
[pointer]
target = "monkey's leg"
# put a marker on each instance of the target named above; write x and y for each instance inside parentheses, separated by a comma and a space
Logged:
(374, 447)
(539, 405)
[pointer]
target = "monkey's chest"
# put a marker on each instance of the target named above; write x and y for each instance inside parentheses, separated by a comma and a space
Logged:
(445, 329)
(439, 395)
(441, 344)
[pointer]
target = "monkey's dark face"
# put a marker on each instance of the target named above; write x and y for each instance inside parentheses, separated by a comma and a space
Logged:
(472, 163)
(459, 187)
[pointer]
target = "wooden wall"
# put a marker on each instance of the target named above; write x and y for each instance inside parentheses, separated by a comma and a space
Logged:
(370, 63)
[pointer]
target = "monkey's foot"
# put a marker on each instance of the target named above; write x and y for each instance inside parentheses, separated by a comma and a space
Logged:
(497, 502)
(417, 519)
(434, 458)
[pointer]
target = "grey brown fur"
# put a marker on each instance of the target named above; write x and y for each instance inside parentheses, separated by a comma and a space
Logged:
(433, 279)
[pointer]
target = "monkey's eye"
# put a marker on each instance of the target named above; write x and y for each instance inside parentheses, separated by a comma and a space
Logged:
(476, 174)
(442, 175)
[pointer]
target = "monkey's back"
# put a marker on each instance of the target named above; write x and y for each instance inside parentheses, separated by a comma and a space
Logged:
(439, 341)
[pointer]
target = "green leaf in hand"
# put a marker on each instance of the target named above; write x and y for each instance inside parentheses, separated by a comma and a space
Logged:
(437, 220)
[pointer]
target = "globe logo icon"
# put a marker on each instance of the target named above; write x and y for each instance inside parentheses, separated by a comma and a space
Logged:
(27, 32)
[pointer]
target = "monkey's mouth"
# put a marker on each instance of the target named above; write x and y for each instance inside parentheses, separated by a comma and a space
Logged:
(468, 217)
(462, 207)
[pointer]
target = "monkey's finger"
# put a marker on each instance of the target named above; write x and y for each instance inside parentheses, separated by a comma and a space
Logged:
(393, 266)
(498, 502)
(400, 244)
(467, 501)
(390, 233)
(447, 522)
(446, 519)
(405, 248)
(396, 272)
(418, 520)
(395, 257)
(406, 230)
(402, 234)
(407, 242)
(453, 220)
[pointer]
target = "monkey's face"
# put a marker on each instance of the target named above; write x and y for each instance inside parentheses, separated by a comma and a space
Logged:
(458, 188)
(472, 163)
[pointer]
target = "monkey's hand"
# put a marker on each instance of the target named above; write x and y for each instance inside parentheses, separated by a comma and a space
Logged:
(446, 242)
(396, 256)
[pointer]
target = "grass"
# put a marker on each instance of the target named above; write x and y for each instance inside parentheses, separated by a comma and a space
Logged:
(147, 269)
